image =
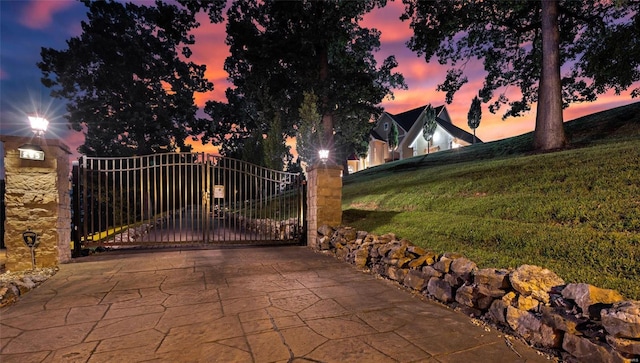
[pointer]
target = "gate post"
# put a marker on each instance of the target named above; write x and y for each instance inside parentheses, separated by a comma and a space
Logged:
(324, 199)
(37, 199)
(75, 200)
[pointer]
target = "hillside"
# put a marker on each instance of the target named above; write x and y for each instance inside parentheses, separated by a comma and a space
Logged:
(576, 211)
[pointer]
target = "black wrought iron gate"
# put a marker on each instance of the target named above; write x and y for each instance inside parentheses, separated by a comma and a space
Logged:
(184, 198)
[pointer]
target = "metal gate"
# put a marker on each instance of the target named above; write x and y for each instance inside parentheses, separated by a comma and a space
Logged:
(183, 198)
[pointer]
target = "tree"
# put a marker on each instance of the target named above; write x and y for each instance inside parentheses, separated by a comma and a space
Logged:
(522, 42)
(127, 85)
(429, 125)
(392, 139)
(474, 116)
(309, 131)
(275, 149)
(296, 47)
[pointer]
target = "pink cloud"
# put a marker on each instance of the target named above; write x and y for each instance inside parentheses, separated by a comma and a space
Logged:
(38, 14)
(3, 74)
(387, 20)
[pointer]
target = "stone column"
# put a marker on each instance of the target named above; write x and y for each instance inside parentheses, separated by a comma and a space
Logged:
(37, 199)
(324, 199)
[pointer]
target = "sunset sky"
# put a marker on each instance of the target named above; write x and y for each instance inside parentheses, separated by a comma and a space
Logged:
(26, 26)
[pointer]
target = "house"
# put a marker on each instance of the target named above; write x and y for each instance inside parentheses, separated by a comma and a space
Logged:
(410, 140)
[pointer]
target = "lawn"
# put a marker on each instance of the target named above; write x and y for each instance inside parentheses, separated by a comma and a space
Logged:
(576, 211)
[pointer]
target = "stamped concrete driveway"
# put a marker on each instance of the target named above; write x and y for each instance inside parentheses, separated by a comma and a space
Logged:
(272, 304)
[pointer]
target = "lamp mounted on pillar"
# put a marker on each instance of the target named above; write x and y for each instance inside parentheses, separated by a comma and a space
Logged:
(38, 125)
(324, 155)
(34, 152)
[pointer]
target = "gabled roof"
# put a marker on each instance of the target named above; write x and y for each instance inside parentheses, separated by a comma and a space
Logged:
(457, 132)
(408, 118)
(377, 136)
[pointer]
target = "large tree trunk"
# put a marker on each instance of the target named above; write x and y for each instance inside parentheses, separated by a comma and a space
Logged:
(549, 131)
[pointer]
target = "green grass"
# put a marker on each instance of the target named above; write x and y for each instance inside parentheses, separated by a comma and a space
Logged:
(576, 211)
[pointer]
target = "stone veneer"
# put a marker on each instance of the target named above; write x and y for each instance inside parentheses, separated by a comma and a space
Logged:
(576, 321)
(37, 198)
(324, 198)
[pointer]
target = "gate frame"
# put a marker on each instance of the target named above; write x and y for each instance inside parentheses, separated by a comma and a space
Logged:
(206, 165)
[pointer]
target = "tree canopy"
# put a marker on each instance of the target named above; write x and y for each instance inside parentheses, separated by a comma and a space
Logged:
(429, 124)
(474, 116)
(594, 43)
(280, 50)
(126, 80)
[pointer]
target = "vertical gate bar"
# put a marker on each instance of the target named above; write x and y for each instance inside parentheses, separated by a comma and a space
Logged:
(243, 226)
(130, 187)
(120, 199)
(234, 223)
(112, 173)
(195, 193)
(174, 199)
(149, 216)
(215, 177)
(199, 170)
(161, 188)
(90, 197)
(176, 195)
(94, 199)
(141, 201)
(109, 198)
(156, 209)
(253, 184)
(110, 202)
(204, 191)
(172, 172)
(189, 192)
(203, 184)
(153, 210)
(303, 210)
(140, 174)
(75, 180)
(180, 203)
(185, 169)
(100, 209)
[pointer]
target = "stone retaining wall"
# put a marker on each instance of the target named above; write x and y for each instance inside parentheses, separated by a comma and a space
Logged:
(287, 229)
(581, 322)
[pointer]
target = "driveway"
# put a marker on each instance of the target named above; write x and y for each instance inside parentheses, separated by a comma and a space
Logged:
(243, 304)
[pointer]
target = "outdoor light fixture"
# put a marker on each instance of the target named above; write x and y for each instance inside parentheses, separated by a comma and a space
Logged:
(38, 125)
(34, 152)
(324, 155)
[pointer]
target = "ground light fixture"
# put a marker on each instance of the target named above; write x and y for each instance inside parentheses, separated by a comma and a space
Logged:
(34, 152)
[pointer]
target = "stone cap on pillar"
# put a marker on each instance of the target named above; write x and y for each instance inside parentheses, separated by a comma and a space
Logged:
(13, 142)
(320, 165)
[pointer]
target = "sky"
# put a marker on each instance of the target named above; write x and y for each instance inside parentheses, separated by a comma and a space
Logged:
(28, 25)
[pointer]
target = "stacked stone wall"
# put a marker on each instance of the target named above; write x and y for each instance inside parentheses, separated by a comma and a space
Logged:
(324, 198)
(37, 198)
(578, 322)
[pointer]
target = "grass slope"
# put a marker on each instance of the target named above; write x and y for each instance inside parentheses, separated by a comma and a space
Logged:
(576, 211)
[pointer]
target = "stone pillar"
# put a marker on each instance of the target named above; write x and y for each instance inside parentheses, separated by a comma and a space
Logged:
(37, 198)
(324, 199)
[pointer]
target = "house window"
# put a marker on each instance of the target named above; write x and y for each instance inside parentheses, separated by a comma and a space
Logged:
(386, 126)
